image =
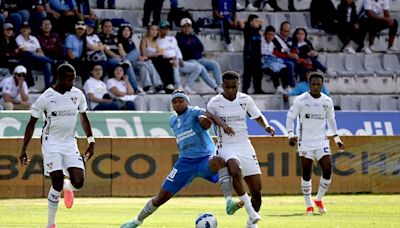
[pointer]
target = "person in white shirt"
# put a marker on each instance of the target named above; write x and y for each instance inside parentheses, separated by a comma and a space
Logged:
(237, 151)
(60, 106)
(119, 88)
(32, 54)
(14, 91)
(313, 111)
(170, 49)
(96, 91)
(375, 17)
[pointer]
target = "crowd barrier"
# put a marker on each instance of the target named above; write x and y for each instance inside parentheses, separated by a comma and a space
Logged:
(138, 166)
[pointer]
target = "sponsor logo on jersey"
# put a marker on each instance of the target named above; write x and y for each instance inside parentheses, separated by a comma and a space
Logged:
(74, 99)
(50, 165)
(244, 105)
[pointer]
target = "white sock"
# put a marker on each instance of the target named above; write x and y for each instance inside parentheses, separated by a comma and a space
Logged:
(147, 210)
(69, 186)
(53, 199)
(247, 203)
(306, 188)
(225, 181)
(323, 187)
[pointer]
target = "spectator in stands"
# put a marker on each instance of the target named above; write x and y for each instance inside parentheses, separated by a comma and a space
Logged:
(323, 16)
(192, 51)
(303, 86)
(113, 58)
(86, 11)
(32, 54)
(37, 12)
(149, 76)
(50, 42)
(101, 5)
(224, 13)
(375, 17)
(69, 11)
(349, 26)
(14, 94)
(9, 51)
(96, 91)
(171, 51)
(15, 12)
(119, 87)
(150, 49)
(308, 56)
(149, 7)
(272, 65)
(283, 43)
(252, 54)
(267, 5)
(75, 48)
(94, 47)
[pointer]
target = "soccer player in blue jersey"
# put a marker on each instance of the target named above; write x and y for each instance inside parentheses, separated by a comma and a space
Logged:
(196, 158)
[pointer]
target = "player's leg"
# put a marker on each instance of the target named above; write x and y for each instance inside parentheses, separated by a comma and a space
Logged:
(326, 166)
(217, 164)
(254, 184)
(306, 186)
(53, 197)
(180, 175)
(73, 163)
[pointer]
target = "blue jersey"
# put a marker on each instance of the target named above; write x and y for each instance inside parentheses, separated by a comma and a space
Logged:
(193, 141)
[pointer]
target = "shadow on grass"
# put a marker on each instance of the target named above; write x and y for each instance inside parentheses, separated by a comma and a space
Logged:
(291, 215)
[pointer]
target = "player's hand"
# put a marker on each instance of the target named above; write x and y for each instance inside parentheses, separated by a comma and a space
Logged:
(205, 122)
(293, 141)
(270, 130)
(24, 158)
(341, 146)
(89, 152)
(228, 130)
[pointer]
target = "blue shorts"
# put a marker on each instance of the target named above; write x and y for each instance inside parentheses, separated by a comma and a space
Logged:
(185, 170)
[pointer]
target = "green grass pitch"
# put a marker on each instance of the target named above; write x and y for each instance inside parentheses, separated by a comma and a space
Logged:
(351, 211)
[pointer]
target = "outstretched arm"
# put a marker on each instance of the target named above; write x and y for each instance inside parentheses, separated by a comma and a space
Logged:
(220, 122)
(30, 128)
(88, 131)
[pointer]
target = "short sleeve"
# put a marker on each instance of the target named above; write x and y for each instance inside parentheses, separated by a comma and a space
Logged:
(211, 107)
(385, 5)
(252, 109)
(38, 107)
(25, 88)
(83, 104)
(294, 109)
(88, 87)
(367, 5)
(111, 83)
(196, 111)
(6, 86)
(69, 42)
(36, 43)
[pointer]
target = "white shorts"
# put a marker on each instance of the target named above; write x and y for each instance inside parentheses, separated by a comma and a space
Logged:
(61, 158)
(316, 154)
(246, 155)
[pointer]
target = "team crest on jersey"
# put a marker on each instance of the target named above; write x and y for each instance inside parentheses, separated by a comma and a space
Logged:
(74, 99)
(244, 105)
(325, 107)
(50, 165)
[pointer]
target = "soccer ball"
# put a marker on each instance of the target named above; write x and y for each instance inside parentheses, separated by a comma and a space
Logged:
(206, 220)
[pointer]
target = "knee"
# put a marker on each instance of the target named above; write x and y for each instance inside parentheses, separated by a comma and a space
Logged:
(77, 183)
(326, 174)
(217, 163)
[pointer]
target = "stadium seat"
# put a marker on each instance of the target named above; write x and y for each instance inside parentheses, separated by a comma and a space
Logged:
(197, 100)
(369, 103)
(159, 103)
(391, 63)
(350, 103)
(141, 103)
(373, 63)
(299, 20)
(355, 62)
(387, 103)
(270, 102)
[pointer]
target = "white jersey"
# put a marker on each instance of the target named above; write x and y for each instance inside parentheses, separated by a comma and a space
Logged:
(96, 87)
(61, 112)
(312, 114)
(7, 85)
(234, 114)
(169, 47)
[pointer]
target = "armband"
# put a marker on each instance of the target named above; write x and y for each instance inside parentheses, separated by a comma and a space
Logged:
(337, 139)
(290, 134)
(90, 139)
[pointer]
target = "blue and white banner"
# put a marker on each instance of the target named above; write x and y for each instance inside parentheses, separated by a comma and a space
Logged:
(348, 123)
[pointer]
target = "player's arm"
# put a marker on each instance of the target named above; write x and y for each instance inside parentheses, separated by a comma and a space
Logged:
(263, 122)
(88, 131)
(291, 116)
(333, 127)
(220, 122)
(30, 128)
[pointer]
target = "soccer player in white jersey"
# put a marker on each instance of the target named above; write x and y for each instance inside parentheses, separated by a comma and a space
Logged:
(237, 151)
(60, 105)
(313, 110)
